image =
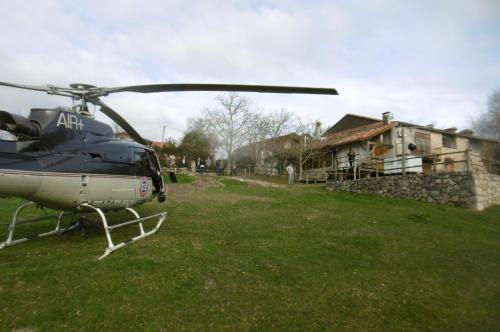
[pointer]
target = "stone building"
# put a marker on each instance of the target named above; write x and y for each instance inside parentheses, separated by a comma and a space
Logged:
(387, 147)
(272, 155)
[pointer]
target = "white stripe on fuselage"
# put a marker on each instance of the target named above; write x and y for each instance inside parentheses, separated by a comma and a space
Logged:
(67, 191)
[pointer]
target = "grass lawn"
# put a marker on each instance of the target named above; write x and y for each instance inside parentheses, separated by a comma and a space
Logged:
(239, 256)
(273, 179)
(181, 178)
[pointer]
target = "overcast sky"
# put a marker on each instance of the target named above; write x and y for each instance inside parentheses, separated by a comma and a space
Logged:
(425, 61)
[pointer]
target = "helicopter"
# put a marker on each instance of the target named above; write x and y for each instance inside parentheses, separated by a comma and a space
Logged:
(66, 160)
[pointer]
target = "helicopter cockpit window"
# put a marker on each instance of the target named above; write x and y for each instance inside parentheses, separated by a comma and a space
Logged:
(141, 160)
(139, 156)
(152, 162)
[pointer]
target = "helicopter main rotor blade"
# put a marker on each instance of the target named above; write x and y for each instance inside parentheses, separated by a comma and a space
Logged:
(91, 93)
(44, 88)
(50, 89)
(120, 121)
(151, 88)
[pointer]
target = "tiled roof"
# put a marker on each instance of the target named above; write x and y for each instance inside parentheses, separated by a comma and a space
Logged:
(361, 133)
(157, 144)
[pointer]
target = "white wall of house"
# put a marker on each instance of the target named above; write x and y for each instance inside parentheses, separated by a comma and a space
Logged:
(359, 148)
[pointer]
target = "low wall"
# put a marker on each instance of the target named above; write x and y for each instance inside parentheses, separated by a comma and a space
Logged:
(476, 188)
(467, 189)
(487, 189)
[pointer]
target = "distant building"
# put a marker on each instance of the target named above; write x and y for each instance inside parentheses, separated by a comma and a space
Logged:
(272, 155)
(159, 145)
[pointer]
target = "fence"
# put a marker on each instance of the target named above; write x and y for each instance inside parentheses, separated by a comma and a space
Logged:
(270, 170)
(457, 161)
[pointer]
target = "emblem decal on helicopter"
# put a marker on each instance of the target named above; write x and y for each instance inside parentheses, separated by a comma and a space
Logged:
(143, 190)
(70, 121)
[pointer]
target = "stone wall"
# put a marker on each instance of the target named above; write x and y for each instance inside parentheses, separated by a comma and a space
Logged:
(486, 184)
(445, 188)
(476, 189)
(487, 189)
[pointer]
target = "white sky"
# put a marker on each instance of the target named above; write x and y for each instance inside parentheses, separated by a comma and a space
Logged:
(425, 61)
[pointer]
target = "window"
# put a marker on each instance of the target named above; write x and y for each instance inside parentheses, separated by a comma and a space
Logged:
(423, 142)
(449, 141)
(387, 137)
(140, 159)
(475, 145)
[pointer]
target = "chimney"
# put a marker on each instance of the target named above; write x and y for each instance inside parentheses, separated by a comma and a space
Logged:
(386, 116)
(317, 130)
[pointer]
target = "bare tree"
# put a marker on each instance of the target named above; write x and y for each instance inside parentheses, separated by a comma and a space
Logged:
(197, 124)
(230, 121)
(306, 127)
(488, 124)
(258, 127)
(280, 122)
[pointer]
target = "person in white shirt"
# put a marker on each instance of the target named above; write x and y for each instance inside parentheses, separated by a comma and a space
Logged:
(289, 170)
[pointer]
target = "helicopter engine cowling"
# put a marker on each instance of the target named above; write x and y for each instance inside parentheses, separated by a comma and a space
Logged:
(18, 125)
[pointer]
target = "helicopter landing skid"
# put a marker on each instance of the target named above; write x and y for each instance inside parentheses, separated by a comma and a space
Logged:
(138, 220)
(15, 221)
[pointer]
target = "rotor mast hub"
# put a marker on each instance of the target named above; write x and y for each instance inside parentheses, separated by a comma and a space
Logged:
(80, 91)
(82, 86)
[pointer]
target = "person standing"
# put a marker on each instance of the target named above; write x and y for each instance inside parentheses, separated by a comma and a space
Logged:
(289, 170)
(219, 167)
(351, 156)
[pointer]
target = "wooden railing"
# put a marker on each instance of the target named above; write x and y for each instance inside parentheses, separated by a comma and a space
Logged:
(456, 161)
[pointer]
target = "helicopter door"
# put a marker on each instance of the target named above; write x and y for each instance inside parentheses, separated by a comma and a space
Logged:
(142, 171)
(156, 170)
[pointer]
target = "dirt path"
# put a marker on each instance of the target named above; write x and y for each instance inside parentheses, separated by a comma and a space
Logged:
(196, 190)
(199, 184)
(261, 183)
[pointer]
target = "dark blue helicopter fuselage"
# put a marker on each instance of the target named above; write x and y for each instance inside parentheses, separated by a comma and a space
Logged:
(72, 145)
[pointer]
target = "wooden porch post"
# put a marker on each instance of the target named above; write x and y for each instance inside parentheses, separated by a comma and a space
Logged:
(403, 150)
(300, 166)
(324, 169)
(468, 160)
(335, 169)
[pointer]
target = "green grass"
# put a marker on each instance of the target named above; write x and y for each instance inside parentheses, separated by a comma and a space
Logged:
(273, 179)
(181, 178)
(244, 257)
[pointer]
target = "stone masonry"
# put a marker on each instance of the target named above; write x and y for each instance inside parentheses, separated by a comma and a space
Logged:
(486, 185)
(475, 189)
